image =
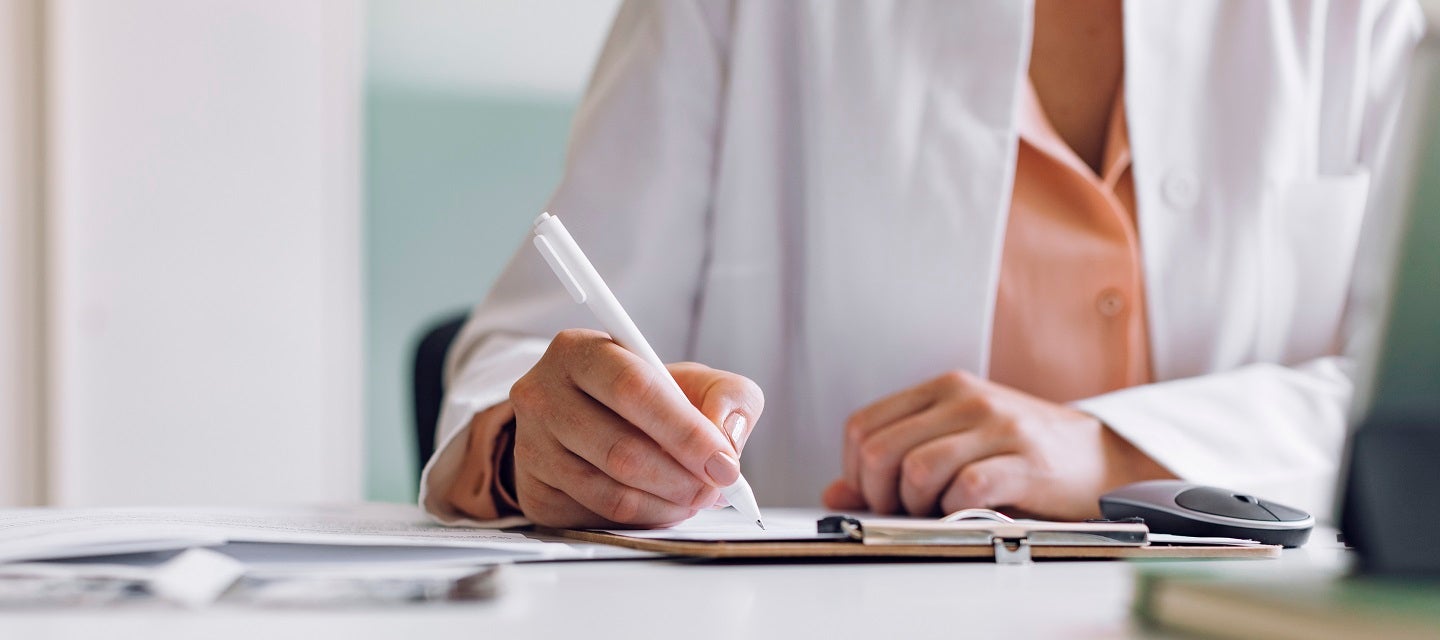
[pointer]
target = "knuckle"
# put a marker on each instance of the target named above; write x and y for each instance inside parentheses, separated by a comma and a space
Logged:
(626, 459)
(698, 444)
(568, 339)
(855, 430)
(524, 446)
(623, 505)
(635, 380)
(915, 471)
(740, 392)
(983, 404)
(529, 446)
(534, 498)
(972, 482)
(526, 391)
(874, 454)
(956, 379)
(1007, 431)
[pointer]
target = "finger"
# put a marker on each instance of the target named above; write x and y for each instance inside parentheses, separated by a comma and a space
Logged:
(891, 409)
(602, 495)
(992, 482)
(627, 455)
(643, 396)
(731, 401)
(882, 451)
(840, 495)
(546, 505)
(928, 469)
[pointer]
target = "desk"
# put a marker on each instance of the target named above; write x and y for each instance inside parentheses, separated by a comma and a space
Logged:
(589, 600)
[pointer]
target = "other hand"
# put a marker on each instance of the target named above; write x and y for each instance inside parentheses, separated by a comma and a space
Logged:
(959, 441)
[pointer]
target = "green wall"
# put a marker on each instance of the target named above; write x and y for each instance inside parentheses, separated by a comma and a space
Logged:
(452, 181)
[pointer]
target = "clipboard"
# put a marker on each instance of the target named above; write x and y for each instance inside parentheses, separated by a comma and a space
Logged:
(965, 535)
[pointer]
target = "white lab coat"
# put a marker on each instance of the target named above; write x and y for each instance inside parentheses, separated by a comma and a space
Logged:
(814, 195)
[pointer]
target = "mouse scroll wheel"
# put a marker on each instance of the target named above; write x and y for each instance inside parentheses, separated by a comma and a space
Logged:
(1223, 503)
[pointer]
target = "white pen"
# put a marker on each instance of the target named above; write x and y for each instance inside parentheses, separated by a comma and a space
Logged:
(586, 287)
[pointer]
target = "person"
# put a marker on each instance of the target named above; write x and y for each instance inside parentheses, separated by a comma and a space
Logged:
(993, 254)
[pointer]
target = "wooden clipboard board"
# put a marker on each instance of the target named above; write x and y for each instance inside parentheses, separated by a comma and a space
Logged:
(848, 549)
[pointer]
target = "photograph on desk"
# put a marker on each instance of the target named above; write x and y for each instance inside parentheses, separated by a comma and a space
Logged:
(389, 316)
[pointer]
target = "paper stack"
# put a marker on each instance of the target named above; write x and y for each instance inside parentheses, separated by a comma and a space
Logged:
(193, 556)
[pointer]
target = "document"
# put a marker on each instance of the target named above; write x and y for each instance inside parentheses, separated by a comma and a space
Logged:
(1166, 538)
(727, 525)
(354, 555)
(323, 575)
(34, 534)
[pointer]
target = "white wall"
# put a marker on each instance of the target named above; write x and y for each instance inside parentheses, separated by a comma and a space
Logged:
(20, 278)
(202, 249)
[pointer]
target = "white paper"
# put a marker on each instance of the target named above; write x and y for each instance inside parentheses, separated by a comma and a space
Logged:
(727, 525)
(196, 577)
(1167, 538)
(281, 557)
(29, 534)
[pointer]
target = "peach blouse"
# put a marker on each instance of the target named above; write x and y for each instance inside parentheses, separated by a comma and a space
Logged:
(1070, 310)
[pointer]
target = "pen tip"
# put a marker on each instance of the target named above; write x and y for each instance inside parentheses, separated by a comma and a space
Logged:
(760, 524)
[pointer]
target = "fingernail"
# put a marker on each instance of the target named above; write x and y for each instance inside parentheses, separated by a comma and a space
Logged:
(738, 428)
(723, 468)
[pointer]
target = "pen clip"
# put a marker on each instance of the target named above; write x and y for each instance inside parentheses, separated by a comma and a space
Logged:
(561, 271)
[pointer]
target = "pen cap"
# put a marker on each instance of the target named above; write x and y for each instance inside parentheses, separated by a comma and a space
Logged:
(557, 264)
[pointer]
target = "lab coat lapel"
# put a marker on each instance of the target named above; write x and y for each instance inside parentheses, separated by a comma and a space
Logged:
(906, 223)
(1211, 129)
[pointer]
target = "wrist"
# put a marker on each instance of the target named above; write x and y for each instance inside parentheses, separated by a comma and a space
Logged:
(1125, 463)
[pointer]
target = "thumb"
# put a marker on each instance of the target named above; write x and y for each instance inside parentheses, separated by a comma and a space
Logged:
(732, 402)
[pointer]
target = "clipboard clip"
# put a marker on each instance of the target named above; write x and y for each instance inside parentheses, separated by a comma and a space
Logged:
(847, 525)
(1015, 551)
(1011, 540)
(1007, 550)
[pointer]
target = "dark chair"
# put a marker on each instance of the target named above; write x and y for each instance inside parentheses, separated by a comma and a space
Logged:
(428, 382)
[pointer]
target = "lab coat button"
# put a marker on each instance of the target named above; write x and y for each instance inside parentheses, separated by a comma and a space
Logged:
(1110, 303)
(1180, 189)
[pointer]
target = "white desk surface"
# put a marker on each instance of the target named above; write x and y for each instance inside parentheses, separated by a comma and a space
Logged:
(675, 599)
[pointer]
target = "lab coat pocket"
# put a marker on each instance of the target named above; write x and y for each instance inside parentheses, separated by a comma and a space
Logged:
(1313, 230)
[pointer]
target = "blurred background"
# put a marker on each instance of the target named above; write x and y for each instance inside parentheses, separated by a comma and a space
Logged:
(468, 106)
(225, 223)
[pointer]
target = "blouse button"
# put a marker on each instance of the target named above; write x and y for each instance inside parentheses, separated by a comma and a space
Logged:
(1110, 303)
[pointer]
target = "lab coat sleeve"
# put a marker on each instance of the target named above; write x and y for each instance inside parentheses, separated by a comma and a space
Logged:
(635, 194)
(1274, 430)
(1267, 429)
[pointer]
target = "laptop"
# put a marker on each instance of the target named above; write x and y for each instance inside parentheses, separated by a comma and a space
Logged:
(1389, 498)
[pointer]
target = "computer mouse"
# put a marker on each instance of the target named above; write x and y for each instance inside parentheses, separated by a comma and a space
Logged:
(1181, 508)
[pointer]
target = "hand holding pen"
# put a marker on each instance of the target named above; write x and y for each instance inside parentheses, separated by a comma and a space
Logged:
(607, 435)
